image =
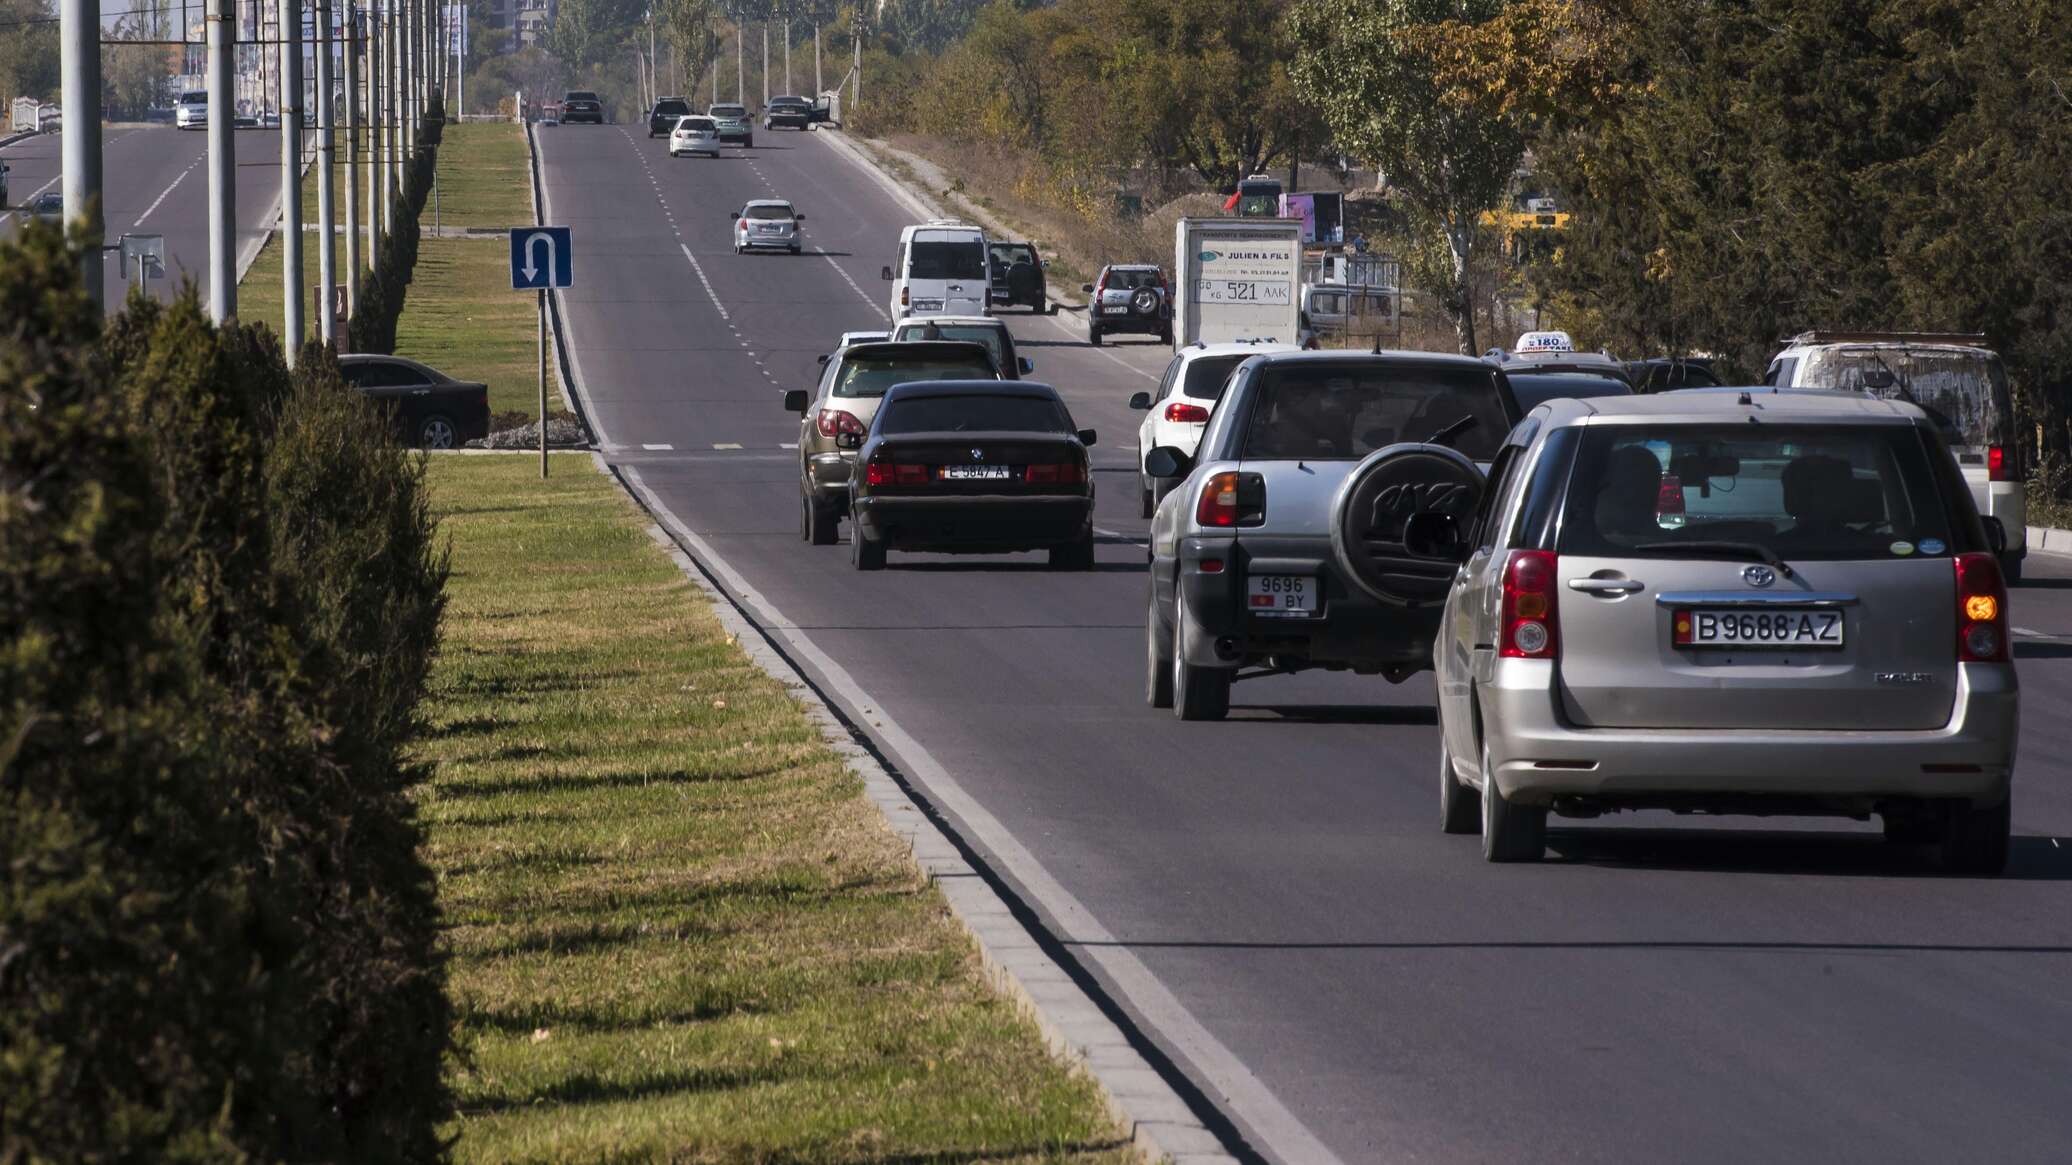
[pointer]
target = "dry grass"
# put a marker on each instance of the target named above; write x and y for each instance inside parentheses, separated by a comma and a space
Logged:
(679, 932)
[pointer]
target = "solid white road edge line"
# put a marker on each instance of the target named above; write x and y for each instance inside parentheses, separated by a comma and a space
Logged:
(1080, 1022)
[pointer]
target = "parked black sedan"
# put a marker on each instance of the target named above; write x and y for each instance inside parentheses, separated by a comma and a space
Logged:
(430, 408)
(972, 467)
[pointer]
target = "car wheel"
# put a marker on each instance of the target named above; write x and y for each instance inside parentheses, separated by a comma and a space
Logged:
(1158, 654)
(1510, 832)
(1458, 812)
(437, 432)
(2011, 569)
(1165, 334)
(1974, 840)
(1075, 555)
(824, 525)
(1147, 501)
(1093, 336)
(805, 518)
(866, 554)
(794, 248)
(748, 143)
(1199, 693)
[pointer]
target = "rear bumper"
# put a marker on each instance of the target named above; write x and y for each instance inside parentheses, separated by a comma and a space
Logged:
(758, 243)
(973, 523)
(1352, 629)
(736, 135)
(1539, 757)
(1149, 325)
(827, 475)
(792, 121)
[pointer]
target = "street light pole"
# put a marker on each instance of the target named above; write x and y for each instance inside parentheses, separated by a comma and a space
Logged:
(327, 199)
(79, 71)
(353, 119)
(222, 22)
(291, 177)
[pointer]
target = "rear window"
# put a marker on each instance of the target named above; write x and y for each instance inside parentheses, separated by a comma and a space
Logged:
(871, 376)
(704, 123)
(1132, 280)
(728, 111)
(1965, 390)
(974, 414)
(1801, 491)
(946, 259)
(1339, 412)
(581, 95)
(991, 337)
(194, 99)
(666, 108)
(775, 213)
(1534, 389)
(1206, 376)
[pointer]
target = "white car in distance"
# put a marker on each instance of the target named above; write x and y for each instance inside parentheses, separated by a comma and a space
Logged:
(696, 134)
(1178, 410)
(192, 110)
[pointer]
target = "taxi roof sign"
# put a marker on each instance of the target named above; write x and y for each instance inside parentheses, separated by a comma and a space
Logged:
(1545, 342)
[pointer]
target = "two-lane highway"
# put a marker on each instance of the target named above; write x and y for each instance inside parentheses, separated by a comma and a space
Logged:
(1270, 899)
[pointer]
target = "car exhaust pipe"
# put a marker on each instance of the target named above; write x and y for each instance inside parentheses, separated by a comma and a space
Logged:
(1226, 648)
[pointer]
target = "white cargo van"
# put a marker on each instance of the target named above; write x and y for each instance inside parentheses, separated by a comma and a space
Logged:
(943, 268)
(1957, 380)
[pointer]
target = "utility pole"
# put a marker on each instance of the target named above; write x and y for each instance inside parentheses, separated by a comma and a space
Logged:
(222, 22)
(787, 51)
(766, 62)
(352, 38)
(291, 177)
(856, 69)
(382, 95)
(327, 198)
(817, 89)
(741, 62)
(460, 66)
(79, 71)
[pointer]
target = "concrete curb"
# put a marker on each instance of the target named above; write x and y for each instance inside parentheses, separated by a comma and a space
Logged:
(2050, 540)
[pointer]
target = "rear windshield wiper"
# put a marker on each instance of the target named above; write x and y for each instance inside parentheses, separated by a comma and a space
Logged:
(1755, 550)
(1454, 429)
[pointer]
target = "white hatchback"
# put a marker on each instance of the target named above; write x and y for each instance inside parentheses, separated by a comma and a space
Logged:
(694, 135)
(1176, 414)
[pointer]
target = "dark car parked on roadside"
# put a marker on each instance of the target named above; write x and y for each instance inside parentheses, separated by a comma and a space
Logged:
(663, 117)
(788, 113)
(582, 105)
(1018, 276)
(972, 467)
(430, 408)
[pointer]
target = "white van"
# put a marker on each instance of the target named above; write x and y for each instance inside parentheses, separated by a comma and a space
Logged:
(943, 268)
(1957, 380)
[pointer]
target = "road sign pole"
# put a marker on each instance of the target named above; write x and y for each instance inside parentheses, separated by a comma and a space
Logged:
(542, 293)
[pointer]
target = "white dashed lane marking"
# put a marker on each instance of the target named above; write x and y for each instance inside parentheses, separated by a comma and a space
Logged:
(725, 445)
(658, 448)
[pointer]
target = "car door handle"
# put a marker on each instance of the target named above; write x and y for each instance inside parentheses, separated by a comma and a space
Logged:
(1606, 586)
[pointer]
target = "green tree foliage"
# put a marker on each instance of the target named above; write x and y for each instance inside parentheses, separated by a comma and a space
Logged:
(1366, 65)
(220, 596)
(28, 49)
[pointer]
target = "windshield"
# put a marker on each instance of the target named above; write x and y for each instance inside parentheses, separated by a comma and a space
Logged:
(933, 259)
(735, 111)
(1339, 411)
(194, 99)
(1800, 491)
(1964, 388)
(993, 338)
(872, 375)
(1206, 376)
(974, 414)
(778, 213)
(1533, 389)
(666, 108)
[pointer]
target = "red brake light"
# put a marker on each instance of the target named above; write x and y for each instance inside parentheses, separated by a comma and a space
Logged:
(1232, 499)
(2000, 464)
(833, 421)
(1071, 473)
(1531, 621)
(878, 473)
(1186, 414)
(887, 473)
(1669, 499)
(1981, 609)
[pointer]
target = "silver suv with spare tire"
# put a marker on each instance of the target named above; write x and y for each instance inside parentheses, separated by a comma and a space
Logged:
(1282, 548)
(1129, 298)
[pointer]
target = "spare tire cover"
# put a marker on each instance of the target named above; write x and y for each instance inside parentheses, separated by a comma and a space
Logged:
(1376, 503)
(1144, 302)
(1024, 281)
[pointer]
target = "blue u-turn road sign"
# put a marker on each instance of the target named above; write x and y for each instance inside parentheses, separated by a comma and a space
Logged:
(541, 257)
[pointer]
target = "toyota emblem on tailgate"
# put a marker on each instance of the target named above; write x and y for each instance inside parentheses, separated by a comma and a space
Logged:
(1758, 575)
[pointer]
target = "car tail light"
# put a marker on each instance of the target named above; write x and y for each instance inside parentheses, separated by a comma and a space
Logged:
(1981, 609)
(1070, 473)
(1101, 287)
(2002, 464)
(1669, 503)
(1232, 499)
(1186, 414)
(888, 473)
(903, 300)
(831, 422)
(1531, 624)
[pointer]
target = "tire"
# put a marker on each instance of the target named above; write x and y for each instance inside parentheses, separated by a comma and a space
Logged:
(748, 143)
(1041, 307)
(438, 432)
(866, 554)
(1093, 336)
(1974, 840)
(1074, 555)
(1459, 812)
(824, 525)
(1510, 832)
(1165, 335)
(1147, 500)
(1158, 654)
(1199, 693)
(1912, 829)
(2011, 569)
(794, 248)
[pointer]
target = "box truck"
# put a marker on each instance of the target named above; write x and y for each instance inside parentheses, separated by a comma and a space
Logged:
(1236, 279)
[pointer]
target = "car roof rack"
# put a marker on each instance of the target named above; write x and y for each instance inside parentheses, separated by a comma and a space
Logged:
(1835, 336)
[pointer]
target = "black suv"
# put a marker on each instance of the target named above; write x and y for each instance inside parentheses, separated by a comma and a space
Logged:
(1129, 298)
(1018, 276)
(662, 118)
(582, 105)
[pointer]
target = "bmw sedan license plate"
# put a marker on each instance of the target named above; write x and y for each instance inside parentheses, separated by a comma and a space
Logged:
(1281, 594)
(975, 473)
(1741, 627)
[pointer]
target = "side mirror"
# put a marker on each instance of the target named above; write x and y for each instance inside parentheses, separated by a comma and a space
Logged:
(1431, 534)
(1087, 288)
(1140, 401)
(798, 218)
(795, 400)
(1046, 264)
(1996, 534)
(824, 357)
(1027, 365)
(731, 215)
(885, 273)
(1166, 463)
(848, 440)
(1086, 437)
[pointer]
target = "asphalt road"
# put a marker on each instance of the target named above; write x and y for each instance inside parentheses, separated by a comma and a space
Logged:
(1270, 898)
(155, 182)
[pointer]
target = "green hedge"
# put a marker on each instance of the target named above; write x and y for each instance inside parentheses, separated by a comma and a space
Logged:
(380, 299)
(218, 602)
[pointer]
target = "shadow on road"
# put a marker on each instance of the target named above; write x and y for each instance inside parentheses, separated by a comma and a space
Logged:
(1392, 714)
(2033, 649)
(1756, 851)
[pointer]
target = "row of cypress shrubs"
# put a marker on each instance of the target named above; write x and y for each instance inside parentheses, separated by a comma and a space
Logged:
(220, 592)
(379, 303)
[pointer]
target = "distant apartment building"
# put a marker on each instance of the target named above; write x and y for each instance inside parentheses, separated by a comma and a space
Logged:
(530, 19)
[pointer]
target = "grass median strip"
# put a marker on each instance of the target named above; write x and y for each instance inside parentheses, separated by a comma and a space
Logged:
(679, 931)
